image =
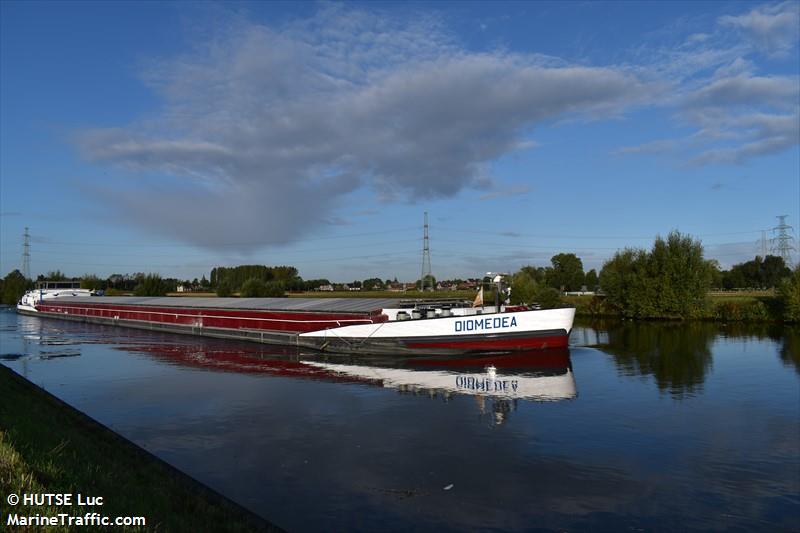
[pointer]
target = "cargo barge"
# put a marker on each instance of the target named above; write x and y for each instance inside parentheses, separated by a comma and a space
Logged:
(341, 325)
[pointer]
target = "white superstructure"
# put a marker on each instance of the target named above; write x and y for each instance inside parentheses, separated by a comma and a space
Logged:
(50, 290)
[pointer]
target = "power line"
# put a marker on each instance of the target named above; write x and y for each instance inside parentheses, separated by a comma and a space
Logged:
(146, 266)
(370, 245)
(201, 245)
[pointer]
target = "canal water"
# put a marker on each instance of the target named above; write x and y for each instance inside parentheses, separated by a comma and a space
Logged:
(636, 426)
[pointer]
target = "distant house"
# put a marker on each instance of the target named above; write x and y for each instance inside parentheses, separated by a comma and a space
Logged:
(401, 287)
(181, 288)
(328, 288)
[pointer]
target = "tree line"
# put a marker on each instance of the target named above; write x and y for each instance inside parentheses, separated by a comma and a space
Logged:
(669, 280)
(672, 279)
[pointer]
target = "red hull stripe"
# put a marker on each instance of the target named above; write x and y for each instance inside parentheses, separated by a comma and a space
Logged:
(498, 343)
(298, 322)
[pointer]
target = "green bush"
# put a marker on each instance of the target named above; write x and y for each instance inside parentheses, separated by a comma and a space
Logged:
(596, 306)
(548, 297)
(523, 288)
(151, 285)
(224, 289)
(789, 294)
(14, 286)
(275, 289)
(748, 311)
(256, 288)
(253, 288)
(669, 281)
(92, 282)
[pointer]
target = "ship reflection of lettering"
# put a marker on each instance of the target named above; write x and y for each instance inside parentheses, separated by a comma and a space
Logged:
(528, 376)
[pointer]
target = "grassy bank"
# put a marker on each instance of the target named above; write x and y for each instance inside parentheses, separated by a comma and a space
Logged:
(48, 447)
(753, 306)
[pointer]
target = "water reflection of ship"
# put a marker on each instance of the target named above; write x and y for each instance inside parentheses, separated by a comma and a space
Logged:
(527, 376)
(539, 375)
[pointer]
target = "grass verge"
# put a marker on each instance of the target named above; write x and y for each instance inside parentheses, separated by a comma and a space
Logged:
(46, 446)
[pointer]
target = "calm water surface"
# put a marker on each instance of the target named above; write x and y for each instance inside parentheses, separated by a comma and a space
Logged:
(637, 426)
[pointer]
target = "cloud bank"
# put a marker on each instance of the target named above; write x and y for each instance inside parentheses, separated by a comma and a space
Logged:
(268, 128)
(264, 131)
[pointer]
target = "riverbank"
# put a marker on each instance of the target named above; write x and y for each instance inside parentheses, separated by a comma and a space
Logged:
(46, 446)
(763, 306)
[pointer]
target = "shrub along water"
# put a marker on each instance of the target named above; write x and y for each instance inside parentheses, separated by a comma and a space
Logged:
(789, 294)
(669, 281)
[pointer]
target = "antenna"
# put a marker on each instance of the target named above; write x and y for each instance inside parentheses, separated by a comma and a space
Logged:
(782, 242)
(26, 254)
(427, 278)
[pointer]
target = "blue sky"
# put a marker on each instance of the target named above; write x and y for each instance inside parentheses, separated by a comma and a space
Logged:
(174, 137)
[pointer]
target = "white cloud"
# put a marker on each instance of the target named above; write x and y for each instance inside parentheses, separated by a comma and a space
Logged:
(277, 125)
(774, 28)
(744, 89)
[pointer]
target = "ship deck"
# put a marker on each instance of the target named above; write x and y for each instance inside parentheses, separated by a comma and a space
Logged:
(297, 305)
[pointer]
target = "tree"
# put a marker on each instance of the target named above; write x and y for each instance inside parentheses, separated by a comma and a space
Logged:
(717, 276)
(762, 273)
(224, 289)
(236, 276)
(566, 272)
(523, 288)
(275, 289)
(372, 284)
(54, 275)
(14, 286)
(670, 281)
(774, 271)
(619, 279)
(537, 274)
(591, 280)
(548, 297)
(256, 288)
(92, 282)
(430, 281)
(151, 285)
(789, 294)
(253, 288)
